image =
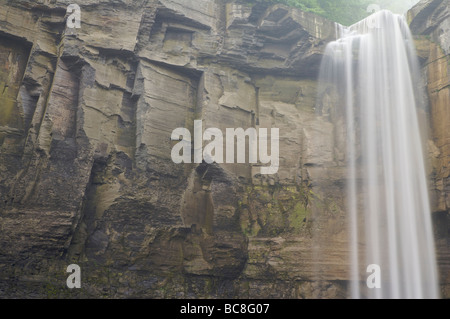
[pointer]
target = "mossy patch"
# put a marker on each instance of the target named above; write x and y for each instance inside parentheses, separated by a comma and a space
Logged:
(298, 216)
(274, 210)
(8, 111)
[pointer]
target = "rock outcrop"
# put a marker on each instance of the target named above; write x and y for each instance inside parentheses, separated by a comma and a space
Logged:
(430, 21)
(86, 175)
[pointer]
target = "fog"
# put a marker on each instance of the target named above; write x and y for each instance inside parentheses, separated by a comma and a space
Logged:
(396, 6)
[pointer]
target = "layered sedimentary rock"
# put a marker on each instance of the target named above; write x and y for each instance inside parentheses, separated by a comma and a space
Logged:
(430, 21)
(86, 174)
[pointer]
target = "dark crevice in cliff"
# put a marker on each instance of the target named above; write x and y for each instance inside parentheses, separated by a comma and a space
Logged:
(87, 222)
(197, 209)
(441, 222)
(191, 73)
(21, 41)
(14, 116)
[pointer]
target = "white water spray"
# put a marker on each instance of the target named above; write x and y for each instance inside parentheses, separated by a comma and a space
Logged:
(372, 72)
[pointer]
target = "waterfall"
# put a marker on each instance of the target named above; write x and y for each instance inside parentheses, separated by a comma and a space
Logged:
(372, 74)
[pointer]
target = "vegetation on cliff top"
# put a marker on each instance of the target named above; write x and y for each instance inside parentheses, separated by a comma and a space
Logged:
(345, 12)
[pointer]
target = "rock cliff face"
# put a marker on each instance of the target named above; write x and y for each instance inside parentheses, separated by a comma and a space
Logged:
(430, 21)
(86, 175)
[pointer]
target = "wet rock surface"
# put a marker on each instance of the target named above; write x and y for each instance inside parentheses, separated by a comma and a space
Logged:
(430, 21)
(86, 174)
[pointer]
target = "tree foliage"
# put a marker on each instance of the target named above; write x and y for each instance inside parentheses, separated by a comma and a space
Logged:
(345, 12)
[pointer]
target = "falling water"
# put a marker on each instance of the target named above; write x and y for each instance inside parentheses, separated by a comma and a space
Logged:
(372, 73)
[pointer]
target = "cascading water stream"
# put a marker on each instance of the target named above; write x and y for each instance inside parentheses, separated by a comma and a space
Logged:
(372, 72)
